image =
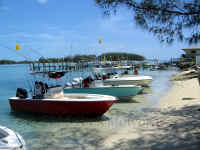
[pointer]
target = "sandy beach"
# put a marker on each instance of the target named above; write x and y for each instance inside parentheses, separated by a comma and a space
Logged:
(183, 94)
(173, 124)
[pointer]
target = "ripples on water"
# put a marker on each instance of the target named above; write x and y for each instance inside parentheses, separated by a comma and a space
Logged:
(45, 132)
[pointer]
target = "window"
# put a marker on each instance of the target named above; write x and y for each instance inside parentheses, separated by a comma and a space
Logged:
(193, 52)
(3, 134)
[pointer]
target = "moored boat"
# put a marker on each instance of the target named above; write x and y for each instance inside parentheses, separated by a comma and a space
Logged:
(10, 140)
(55, 102)
(129, 80)
(117, 91)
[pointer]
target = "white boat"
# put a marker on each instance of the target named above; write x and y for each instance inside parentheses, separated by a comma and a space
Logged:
(129, 80)
(78, 80)
(10, 140)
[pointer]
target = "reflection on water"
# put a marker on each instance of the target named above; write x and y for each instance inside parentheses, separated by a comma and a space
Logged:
(66, 138)
(56, 119)
(47, 132)
(127, 100)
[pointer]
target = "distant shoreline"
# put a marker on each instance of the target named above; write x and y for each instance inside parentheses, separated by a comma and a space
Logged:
(12, 63)
(16, 64)
(115, 56)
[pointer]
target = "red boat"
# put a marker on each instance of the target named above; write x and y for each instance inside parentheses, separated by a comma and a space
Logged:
(52, 101)
(68, 104)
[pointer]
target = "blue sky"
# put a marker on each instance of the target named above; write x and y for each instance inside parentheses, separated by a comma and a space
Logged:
(57, 28)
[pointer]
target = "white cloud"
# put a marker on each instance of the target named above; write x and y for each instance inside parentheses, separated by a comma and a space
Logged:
(42, 1)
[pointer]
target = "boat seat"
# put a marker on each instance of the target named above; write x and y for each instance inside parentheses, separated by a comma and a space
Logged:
(3, 134)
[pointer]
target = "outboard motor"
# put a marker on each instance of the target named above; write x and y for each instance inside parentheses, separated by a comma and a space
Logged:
(21, 93)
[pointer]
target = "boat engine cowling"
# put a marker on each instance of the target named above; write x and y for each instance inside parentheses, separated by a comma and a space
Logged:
(21, 93)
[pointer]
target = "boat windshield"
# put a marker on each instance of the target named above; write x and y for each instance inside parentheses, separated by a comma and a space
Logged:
(3, 134)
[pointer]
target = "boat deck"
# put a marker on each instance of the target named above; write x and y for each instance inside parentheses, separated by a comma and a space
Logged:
(74, 98)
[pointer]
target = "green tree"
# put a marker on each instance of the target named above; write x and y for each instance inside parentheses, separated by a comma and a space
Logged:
(7, 62)
(116, 56)
(169, 20)
(42, 60)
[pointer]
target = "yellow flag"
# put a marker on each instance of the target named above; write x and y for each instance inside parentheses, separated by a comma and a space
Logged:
(17, 47)
(104, 59)
(118, 65)
(100, 41)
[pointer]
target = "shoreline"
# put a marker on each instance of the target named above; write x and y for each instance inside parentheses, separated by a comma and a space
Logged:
(172, 124)
(182, 94)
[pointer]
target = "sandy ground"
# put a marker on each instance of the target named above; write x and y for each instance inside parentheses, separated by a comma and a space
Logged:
(182, 94)
(174, 124)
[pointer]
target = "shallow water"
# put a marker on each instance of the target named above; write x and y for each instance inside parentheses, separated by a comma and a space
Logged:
(44, 132)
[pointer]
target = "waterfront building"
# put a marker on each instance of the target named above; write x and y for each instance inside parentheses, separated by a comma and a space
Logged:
(191, 53)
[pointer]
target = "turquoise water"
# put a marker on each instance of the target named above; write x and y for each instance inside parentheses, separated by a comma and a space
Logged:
(44, 132)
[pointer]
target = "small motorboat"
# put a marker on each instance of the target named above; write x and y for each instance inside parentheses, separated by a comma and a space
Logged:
(51, 100)
(129, 80)
(92, 86)
(55, 102)
(117, 91)
(10, 140)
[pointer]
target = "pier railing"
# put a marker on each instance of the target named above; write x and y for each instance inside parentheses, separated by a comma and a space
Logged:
(57, 67)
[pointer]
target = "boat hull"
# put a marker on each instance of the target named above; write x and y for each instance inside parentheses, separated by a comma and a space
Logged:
(144, 83)
(11, 140)
(88, 108)
(113, 91)
(128, 80)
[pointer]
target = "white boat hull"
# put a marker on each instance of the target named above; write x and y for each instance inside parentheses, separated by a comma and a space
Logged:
(10, 140)
(129, 80)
